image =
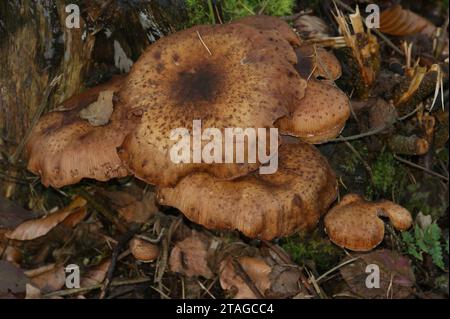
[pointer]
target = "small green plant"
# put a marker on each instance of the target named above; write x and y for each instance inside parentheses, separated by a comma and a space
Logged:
(428, 241)
(421, 197)
(202, 11)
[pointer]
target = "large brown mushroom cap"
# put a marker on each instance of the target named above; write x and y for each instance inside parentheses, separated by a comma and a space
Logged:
(226, 76)
(356, 224)
(260, 206)
(320, 115)
(64, 148)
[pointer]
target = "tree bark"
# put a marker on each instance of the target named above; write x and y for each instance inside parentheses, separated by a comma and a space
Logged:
(36, 46)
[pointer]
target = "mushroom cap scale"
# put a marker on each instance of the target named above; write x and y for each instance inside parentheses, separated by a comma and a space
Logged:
(355, 223)
(260, 206)
(225, 75)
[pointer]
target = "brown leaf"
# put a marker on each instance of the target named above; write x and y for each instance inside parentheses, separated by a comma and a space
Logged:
(47, 278)
(12, 254)
(132, 205)
(232, 279)
(12, 280)
(12, 215)
(249, 276)
(95, 275)
(75, 218)
(398, 21)
(396, 275)
(190, 256)
(32, 292)
(139, 211)
(35, 228)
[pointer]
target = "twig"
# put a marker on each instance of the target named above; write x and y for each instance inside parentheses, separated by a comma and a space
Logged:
(114, 283)
(205, 289)
(163, 259)
(400, 159)
(243, 274)
(161, 292)
(263, 7)
(12, 179)
(204, 44)
(358, 155)
(375, 130)
(112, 266)
(13, 159)
(335, 268)
(358, 136)
(152, 240)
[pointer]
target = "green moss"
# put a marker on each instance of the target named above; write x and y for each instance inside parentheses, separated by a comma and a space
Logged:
(384, 172)
(312, 248)
(389, 177)
(202, 11)
(199, 12)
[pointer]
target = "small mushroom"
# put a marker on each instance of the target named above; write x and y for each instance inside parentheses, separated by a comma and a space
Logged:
(230, 75)
(142, 250)
(355, 223)
(260, 206)
(64, 148)
(319, 116)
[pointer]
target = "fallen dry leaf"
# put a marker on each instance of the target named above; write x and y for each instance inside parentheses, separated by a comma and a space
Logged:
(139, 211)
(32, 292)
(190, 256)
(75, 218)
(396, 275)
(233, 280)
(99, 112)
(47, 278)
(35, 228)
(12, 254)
(95, 275)
(12, 215)
(12, 280)
(268, 278)
(398, 21)
(132, 205)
